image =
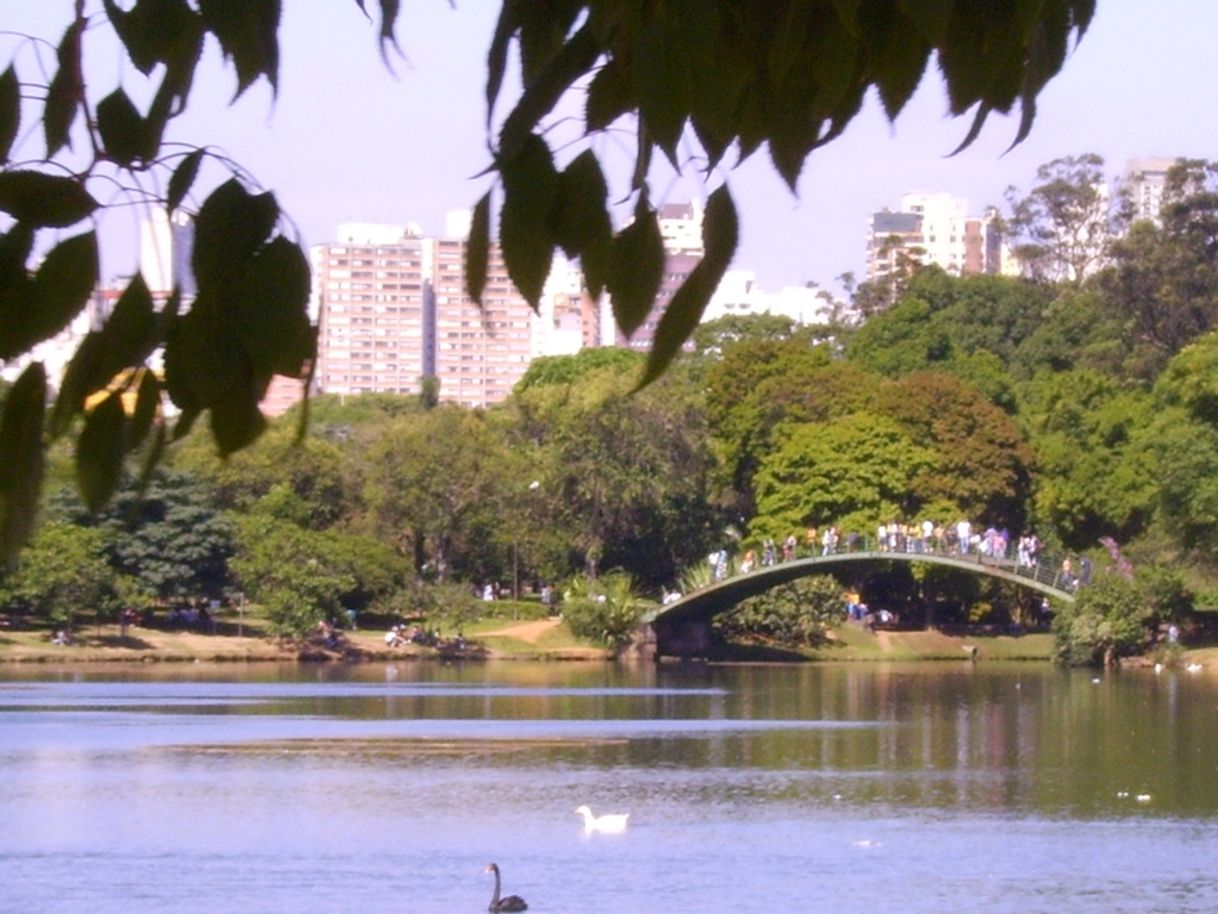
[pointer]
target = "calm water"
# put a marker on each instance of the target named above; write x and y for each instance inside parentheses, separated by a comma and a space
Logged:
(386, 788)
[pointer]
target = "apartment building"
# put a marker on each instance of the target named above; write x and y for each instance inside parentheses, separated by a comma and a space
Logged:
(368, 289)
(392, 308)
(932, 228)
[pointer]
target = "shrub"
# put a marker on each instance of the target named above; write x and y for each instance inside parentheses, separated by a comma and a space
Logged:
(606, 610)
(1109, 619)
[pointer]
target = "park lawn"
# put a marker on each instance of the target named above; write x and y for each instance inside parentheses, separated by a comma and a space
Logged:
(852, 642)
(102, 644)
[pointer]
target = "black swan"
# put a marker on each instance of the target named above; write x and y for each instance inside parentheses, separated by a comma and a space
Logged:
(511, 903)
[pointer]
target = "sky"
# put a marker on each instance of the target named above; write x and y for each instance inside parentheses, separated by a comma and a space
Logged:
(351, 140)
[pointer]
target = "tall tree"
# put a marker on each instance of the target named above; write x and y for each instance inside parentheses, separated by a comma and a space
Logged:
(982, 465)
(1094, 475)
(855, 472)
(1163, 281)
(624, 479)
(1062, 227)
(434, 489)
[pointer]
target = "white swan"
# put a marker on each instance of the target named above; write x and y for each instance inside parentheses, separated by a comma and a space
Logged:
(609, 823)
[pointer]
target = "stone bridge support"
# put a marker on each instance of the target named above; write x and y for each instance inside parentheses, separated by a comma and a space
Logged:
(686, 638)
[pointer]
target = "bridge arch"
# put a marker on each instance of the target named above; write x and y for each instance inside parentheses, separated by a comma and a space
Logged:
(683, 626)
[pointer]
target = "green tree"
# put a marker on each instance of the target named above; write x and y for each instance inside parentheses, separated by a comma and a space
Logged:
(982, 465)
(170, 537)
(1110, 618)
(63, 574)
(1163, 280)
(797, 614)
(1183, 443)
(1062, 226)
(723, 76)
(312, 481)
(300, 576)
(623, 479)
(1094, 474)
(854, 472)
(758, 386)
(436, 481)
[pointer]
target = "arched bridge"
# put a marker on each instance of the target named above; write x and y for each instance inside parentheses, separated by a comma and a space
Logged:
(687, 619)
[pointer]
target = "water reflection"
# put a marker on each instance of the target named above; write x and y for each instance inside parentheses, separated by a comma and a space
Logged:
(750, 788)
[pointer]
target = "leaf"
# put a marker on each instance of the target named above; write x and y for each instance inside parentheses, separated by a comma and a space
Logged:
(44, 201)
(155, 31)
(248, 34)
(576, 57)
(897, 57)
(236, 420)
(637, 268)
(477, 249)
(496, 58)
(203, 352)
(15, 247)
(62, 286)
(580, 218)
(100, 450)
(389, 18)
(608, 97)
(125, 341)
(22, 467)
(66, 91)
(182, 179)
(270, 309)
(720, 238)
(230, 226)
(153, 456)
(147, 405)
(122, 128)
(662, 80)
(530, 185)
(10, 112)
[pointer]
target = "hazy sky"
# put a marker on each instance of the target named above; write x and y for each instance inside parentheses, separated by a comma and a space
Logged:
(349, 141)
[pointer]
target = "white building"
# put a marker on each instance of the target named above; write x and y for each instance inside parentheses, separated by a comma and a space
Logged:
(1143, 183)
(740, 295)
(932, 228)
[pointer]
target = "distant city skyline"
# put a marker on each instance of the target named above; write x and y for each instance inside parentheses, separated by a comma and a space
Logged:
(347, 140)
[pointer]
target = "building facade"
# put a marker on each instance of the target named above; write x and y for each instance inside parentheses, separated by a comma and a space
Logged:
(932, 228)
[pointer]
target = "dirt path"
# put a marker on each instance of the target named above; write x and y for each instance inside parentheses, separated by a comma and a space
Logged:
(530, 632)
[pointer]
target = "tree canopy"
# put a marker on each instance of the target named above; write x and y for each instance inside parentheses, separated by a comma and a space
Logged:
(722, 77)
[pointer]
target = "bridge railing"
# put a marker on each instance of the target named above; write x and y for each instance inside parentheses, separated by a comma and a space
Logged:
(1047, 567)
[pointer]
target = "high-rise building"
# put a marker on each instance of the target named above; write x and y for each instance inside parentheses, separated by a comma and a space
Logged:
(1143, 183)
(371, 308)
(480, 352)
(393, 309)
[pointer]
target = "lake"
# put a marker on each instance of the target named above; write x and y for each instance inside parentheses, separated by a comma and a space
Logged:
(388, 787)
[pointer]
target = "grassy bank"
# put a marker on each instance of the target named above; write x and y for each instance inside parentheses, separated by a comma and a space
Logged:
(487, 638)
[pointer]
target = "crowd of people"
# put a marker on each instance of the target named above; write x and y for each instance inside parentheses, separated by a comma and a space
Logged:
(961, 538)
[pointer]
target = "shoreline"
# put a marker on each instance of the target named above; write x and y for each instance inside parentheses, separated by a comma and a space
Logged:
(524, 641)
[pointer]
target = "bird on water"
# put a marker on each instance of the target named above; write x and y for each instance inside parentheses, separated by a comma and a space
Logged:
(608, 823)
(511, 902)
